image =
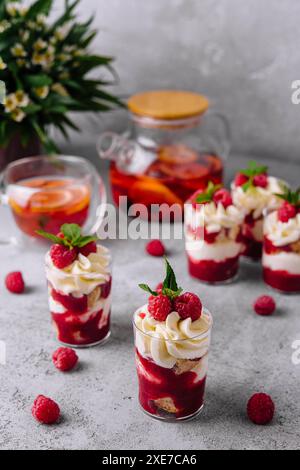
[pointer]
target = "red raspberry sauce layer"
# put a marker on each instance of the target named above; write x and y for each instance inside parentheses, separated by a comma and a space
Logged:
(282, 280)
(187, 395)
(69, 325)
(214, 271)
(253, 248)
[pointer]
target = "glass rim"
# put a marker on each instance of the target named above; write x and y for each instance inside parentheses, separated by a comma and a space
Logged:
(49, 158)
(202, 335)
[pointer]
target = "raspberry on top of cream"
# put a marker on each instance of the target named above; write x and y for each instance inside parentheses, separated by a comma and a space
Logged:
(253, 190)
(83, 275)
(173, 325)
(214, 210)
(282, 227)
(75, 264)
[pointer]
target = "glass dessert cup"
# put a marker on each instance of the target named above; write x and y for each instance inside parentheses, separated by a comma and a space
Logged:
(170, 150)
(44, 192)
(213, 258)
(176, 392)
(281, 265)
(253, 238)
(80, 320)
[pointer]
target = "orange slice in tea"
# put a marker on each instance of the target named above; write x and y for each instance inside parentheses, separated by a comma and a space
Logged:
(177, 154)
(145, 192)
(67, 199)
(185, 172)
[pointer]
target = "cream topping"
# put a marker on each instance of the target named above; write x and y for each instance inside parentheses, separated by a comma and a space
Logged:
(214, 217)
(282, 233)
(83, 275)
(255, 200)
(166, 342)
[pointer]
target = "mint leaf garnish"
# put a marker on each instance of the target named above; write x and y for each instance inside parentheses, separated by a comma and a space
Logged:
(72, 236)
(253, 169)
(292, 197)
(147, 289)
(208, 194)
(169, 288)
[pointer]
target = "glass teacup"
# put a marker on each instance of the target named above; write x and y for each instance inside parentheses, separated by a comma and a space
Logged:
(45, 192)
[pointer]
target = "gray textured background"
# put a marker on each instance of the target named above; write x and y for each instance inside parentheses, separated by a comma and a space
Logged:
(242, 54)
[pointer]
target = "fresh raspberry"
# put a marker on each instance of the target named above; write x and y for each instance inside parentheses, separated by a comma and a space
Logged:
(155, 248)
(188, 305)
(88, 249)
(45, 410)
(260, 408)
(64, 359)
(286, 212)
(159, 307)
(15, 282)
(240, 179)
(62, 256)
(159, 287)
(261, 180)
(193, 198)
(265, 305)
(222, 196)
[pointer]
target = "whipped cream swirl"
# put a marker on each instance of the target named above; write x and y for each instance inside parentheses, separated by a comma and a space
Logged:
(166, 342)
(282, 233)
(255, 200)
(214, 217)
(83, 275)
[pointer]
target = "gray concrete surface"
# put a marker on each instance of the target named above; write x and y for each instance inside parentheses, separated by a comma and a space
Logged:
(99, 400)
(243, 54)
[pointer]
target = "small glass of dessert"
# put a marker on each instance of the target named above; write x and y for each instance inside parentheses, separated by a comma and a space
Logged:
(79, 278)
(213, 235)
(254, 192)
(281, 252)
(172, 341)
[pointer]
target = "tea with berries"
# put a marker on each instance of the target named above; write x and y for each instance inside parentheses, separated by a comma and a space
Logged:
(47, 203)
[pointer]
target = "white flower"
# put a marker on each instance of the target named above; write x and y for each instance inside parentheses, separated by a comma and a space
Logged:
(22, 99)
(45, 59)
(62, 32)
(42, 92)
(18, 50)
(64, 57)
(39, 45)
(41, 19)
(18, 115)
(10, 103)
(3, 65)
(4, 25)
(21, 62)
(14, 9)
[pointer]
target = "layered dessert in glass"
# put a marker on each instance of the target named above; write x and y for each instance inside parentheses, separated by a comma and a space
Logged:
(172, 340)
(213, 235)
(79, 278)
(254, 192)
(281, 253)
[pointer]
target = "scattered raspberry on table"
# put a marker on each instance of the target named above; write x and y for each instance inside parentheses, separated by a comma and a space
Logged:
(45, 410)
(265, 305)
(155, 248)
(260, 409)
(64, 359)
(15, 283)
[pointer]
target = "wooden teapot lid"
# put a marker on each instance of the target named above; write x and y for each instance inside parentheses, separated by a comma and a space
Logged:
(168, 104)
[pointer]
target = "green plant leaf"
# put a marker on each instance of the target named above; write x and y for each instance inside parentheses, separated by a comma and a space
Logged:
(39, 7)
(38, 80)
(85, 241)
(51, 237)
(170, 293)
(146, 288)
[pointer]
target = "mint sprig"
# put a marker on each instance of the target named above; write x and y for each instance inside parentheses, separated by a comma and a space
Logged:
(292, 197)
(169, 288)
(208, 194)
(253, 169)
(72, 236)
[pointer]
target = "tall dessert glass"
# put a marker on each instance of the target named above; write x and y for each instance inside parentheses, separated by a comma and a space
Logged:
(172, 373)
(80, 298)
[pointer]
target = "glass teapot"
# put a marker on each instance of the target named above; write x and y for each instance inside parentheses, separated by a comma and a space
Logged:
(173, 147)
